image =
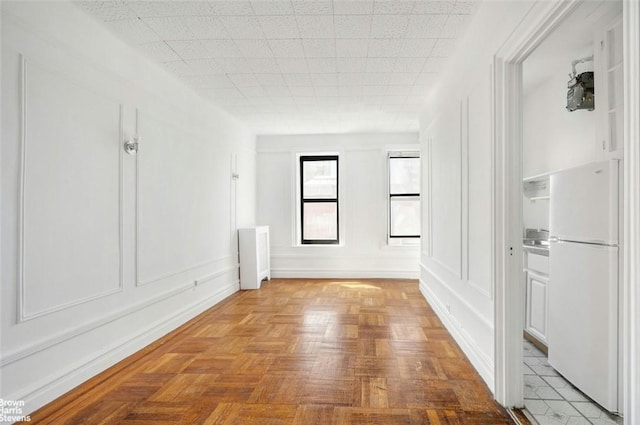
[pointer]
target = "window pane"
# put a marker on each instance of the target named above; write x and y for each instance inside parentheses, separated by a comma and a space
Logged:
(404, 175)
(320, 179)
(320, 221)
(405, 217)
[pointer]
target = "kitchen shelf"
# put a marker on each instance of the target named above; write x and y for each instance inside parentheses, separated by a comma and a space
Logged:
(536, 187)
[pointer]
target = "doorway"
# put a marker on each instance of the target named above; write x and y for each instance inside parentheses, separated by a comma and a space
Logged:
(508, 125)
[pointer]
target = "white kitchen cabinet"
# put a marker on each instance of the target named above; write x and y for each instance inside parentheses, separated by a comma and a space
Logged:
(536, 295)
(254, 256)
(609, 87)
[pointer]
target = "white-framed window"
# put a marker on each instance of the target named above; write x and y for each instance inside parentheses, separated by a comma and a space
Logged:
(403, 197)
(319, 209)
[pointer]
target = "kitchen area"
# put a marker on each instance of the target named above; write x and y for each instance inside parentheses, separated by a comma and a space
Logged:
(572, 202)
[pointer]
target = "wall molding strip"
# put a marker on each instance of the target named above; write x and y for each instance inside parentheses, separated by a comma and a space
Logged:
(65, 336)
(22, 315)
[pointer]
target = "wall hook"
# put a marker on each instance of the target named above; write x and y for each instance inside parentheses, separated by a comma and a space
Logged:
(131, 146)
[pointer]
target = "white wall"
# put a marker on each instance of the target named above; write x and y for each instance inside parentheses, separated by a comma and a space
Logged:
(456, 273)
(363, 251)
(103, 252)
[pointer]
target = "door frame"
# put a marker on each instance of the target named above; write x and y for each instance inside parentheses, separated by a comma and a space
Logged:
(543, 18)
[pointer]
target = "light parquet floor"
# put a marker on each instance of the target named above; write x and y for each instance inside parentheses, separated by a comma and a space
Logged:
(303, 352)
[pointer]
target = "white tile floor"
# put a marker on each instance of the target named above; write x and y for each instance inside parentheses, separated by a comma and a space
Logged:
(551, 400)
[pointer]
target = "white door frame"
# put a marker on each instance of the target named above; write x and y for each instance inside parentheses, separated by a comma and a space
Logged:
(543, 18)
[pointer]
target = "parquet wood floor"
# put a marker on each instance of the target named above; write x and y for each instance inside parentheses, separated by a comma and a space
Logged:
(302, 352)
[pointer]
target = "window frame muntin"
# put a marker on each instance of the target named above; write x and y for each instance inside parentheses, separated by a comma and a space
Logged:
(336, 200)
(399, 155)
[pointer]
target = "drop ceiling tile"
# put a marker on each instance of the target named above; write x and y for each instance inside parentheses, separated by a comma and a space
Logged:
(224, 92)
(305, 100)
(108, 10)
(145, 9)
(374, 90)
(401, 78)
(270, 79)
(297, 79)
(231, 8)
(253, 91)
(190, 49)
(443, 48)
(319, 47)
(233, 65)
(159, 51)
(214, 81)
(324, 79)
(351, 47)
(464, 7)
(272, 7)
(179, 68)
(393, 100)
(242, 27)
(263, 65)
(187, 27)
(426, 78)
(434, 65)
(254, 48)
(352, 26)
(409, 64)
(312, 7)
(353, 7)
(244, 80)
(351, 93)
(393, 7)
(455, 26)
(416, 47)
(326, 91)
(204, 66)
(302, 90)
(380, 64)
(222, 48)
(292, 65)
(279, 27)
(389, 26)
(428, 7)
(426, 26)
(278, 91)
(399, 89)
(322, 65)
(289, 48)
(384, 47)
(351, 78)
(134, 30)
(351, 64)
(377, 78)
(316, 26)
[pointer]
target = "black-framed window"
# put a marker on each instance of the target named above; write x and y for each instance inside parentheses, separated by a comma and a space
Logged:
(319, 222)
(404, 195)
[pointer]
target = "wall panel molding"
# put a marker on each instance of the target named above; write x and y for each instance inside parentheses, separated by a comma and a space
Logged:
(139, 281)
(480, 360)
(21, 299)
(79, 372)
(134, 308)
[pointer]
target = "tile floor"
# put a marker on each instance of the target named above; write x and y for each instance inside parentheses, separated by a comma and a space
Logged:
(551, 400)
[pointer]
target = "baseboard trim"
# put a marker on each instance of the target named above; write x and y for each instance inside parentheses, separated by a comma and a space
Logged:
(58, 339)
(40, 393)
(478, 359)
(343, 274)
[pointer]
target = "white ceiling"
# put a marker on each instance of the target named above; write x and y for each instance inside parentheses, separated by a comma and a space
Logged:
(299, 66)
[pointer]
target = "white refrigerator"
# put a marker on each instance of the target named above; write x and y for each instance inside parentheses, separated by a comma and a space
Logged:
(583, 279)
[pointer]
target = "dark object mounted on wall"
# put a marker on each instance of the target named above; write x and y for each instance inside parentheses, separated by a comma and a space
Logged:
(581, 88)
